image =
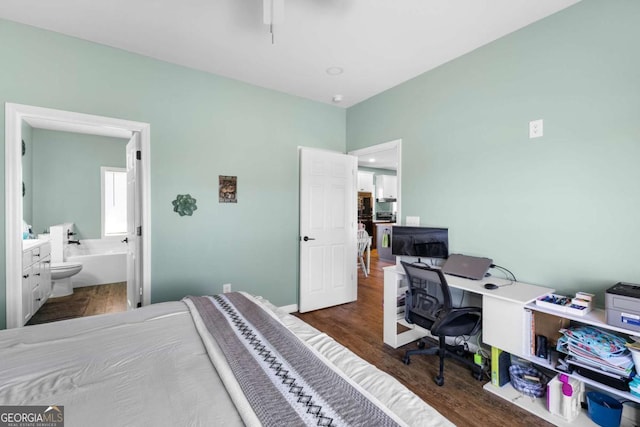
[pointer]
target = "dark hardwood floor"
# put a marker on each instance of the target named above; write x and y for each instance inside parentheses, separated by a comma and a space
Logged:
(358, 326)
(85, 301)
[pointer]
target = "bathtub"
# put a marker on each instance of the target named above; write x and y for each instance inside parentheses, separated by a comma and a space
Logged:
(103, 261)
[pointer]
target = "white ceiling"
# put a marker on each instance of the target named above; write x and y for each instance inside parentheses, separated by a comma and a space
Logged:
(378, 43)
(383, 159)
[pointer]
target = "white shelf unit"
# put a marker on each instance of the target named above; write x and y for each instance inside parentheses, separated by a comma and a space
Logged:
(594, 318)
(393, 288)
(538, 407)
(588, 381)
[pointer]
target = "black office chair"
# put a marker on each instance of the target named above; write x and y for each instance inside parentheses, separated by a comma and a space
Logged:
(428, 304)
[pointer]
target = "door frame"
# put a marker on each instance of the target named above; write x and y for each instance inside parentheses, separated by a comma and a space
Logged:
(47, 118)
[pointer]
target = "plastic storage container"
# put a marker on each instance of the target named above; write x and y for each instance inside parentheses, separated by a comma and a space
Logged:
(604, 410)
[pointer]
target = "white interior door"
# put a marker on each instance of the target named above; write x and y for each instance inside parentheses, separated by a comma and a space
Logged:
(328, 212)
(134, 221)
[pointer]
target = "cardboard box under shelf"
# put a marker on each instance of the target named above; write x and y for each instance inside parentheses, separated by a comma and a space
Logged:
(549, 325)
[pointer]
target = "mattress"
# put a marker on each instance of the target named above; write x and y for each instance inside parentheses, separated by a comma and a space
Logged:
(151, 367)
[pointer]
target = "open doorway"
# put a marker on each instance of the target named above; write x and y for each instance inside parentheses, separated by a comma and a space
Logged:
(16, 118)
(78, 180)
(379, 194)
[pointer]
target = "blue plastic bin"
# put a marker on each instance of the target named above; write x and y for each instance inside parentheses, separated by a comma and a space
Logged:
(604, 410)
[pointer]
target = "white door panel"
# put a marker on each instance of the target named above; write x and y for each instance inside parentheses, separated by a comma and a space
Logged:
(328, 218)
(134, 220)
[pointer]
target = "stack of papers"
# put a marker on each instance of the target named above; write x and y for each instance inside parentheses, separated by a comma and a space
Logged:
(596, 349)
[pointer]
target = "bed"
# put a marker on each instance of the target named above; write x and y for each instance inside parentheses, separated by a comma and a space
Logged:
(230, 359)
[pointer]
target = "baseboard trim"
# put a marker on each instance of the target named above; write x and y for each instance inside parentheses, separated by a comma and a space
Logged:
(292, 308)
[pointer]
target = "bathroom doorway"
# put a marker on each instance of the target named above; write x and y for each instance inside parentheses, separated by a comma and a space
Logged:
(16, 116)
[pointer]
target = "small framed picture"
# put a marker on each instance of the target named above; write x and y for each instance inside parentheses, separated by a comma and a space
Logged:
(228, 189)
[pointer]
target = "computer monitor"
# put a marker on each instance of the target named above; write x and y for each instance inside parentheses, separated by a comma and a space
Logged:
(427, 242)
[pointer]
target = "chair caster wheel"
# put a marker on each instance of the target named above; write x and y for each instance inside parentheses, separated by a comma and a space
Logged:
(439, 381)
(421, 344)
(406, 360)
(478, 376)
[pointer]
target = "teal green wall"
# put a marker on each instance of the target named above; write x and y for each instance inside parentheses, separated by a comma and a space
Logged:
(66, 179)
(202, 126)
(562, 210)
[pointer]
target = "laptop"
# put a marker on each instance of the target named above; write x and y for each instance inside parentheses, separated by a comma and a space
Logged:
(469, 267)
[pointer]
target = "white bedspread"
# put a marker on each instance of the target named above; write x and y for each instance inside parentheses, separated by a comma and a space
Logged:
(149, 367)
(141, 368)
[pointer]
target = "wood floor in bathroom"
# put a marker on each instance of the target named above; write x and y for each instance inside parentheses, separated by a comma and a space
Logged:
(85, 301)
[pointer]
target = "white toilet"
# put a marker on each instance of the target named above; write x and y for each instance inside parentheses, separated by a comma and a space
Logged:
(61, 271)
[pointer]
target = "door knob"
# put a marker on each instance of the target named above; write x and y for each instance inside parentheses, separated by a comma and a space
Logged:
(307, 238)
(125, 240)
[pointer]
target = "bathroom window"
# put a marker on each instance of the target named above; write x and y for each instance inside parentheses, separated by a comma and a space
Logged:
(114, 201)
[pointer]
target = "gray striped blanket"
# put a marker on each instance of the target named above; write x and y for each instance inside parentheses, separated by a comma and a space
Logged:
(284, 381)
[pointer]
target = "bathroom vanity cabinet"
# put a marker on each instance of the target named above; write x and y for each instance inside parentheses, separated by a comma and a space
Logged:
(36, 276)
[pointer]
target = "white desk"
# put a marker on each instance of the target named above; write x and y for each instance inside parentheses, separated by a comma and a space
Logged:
(505, 326)
(503, 314)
